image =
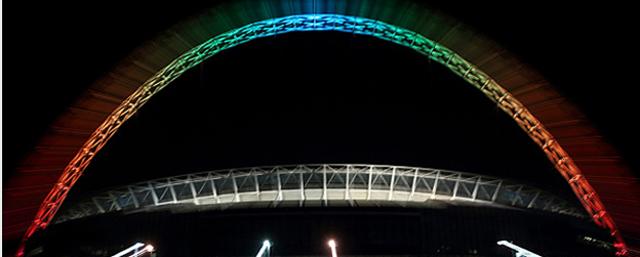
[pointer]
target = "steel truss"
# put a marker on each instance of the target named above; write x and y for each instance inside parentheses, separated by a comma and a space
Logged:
(330, 22)
(313, 185)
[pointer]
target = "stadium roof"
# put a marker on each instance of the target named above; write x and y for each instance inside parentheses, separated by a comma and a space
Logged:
(355, 184)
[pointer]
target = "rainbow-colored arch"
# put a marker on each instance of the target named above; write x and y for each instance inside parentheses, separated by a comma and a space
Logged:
(309, 16)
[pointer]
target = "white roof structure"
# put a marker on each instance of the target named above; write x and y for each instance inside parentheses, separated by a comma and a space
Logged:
(319, 185)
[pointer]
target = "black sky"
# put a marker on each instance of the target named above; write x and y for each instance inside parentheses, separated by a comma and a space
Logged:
(319, 98)
(53, 50)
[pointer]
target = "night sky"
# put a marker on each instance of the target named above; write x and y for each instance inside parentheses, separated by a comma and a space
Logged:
(315, 97)
(328, 98)
(319, 98)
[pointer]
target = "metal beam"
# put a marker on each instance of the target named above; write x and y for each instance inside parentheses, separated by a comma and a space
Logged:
(255, 179)
(435, 185)
(370, 182)
(474, 195)
(154, 196)
(172, 190)
(346, 184)
(324, 184)
(100, 209)
(279, 196)
(516, 196)
(194, 194)
(495, 194)
(133, 197)
(214, 190)
(533, 200)
(236, 196)
(302, 194)
(548, 203)
(115, 201)
(393, 181)
(456, 186)
(413, 184)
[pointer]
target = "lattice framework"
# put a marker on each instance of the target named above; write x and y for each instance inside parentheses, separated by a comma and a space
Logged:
(330, 22)
(319, 185)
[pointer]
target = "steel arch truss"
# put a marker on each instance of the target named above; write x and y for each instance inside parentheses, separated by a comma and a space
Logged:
(320, 185)
(330, 22)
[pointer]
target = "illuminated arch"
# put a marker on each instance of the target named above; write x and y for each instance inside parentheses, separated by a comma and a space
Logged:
(325, 20)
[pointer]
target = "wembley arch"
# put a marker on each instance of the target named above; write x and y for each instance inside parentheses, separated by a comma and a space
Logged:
(520, 92)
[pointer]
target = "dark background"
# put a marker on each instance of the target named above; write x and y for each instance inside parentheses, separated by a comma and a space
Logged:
(319, 98)
(53, 50)
(360, 108)
(453, 231)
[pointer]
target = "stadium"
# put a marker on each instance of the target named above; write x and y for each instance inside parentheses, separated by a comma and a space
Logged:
(317, 128)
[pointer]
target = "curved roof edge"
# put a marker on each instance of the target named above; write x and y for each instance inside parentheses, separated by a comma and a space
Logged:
(320, 183)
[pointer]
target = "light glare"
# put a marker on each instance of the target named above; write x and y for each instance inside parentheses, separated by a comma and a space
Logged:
(332, 244)
(128, 250)
(266, 244)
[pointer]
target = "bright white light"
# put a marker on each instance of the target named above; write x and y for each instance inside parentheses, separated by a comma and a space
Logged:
(332, 244)
(147, 249)
(520, 252)
(265, 245)
(130, 249)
